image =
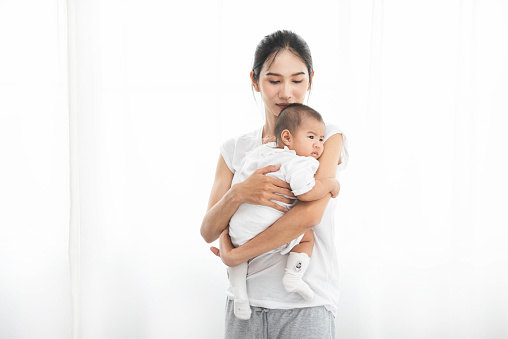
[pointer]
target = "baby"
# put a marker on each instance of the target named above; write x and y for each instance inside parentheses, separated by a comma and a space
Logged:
(299, 132)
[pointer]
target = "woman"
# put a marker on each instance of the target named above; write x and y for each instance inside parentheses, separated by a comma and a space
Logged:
(282, 74)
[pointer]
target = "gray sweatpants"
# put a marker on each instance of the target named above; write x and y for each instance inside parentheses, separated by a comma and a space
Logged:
(264, 323)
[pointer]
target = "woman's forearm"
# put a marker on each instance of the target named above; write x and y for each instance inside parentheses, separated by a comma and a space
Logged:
(217, 217)
(223, 203)
(301, 218)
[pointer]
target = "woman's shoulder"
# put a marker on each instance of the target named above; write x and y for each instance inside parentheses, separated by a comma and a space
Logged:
(234, 149)
(332, 129)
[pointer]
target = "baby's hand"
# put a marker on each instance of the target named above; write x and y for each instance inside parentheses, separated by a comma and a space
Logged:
(336, 188)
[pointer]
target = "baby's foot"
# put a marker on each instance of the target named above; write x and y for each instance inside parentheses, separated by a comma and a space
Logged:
(242, 309)
(295, 283)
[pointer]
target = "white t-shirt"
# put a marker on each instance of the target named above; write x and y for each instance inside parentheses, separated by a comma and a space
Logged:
(265, 272)
(298, 171)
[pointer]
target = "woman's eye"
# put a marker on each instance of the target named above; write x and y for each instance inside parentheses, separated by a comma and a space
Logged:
(274, 81)
(297, 81)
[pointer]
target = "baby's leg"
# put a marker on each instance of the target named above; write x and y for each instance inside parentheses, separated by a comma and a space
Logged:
(237, 278)
(306, 245)
(297, 264)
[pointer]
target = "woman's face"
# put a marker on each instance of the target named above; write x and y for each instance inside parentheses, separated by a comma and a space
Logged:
(284, 82)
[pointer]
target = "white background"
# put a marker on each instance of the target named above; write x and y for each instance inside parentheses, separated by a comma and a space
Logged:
(419, 88)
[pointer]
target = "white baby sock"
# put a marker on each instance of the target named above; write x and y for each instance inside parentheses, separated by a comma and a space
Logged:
(237, 278)
(295, 268)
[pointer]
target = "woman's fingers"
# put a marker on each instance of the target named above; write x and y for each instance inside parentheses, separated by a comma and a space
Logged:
(277, 206)
(215, 251)
(226, 250)
(268, 169)
(281, 187)
(281, 198)
(260, 189)
(225, 241)
(285, 191)
(279, 183)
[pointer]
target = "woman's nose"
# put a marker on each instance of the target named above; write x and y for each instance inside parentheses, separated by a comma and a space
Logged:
(285, 91)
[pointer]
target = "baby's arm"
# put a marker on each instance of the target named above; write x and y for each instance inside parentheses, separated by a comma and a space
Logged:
(321, 188)
(300, 173)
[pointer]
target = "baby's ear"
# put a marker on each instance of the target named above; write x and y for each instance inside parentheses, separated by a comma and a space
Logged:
(286, 137)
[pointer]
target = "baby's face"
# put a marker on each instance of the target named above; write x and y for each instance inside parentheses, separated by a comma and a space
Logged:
(308, 140)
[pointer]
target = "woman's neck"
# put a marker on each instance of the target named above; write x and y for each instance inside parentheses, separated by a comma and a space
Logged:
(268, 128)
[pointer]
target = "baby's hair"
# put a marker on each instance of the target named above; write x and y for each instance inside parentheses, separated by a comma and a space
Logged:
(292, 116)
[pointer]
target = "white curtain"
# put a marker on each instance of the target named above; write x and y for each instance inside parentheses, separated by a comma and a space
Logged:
(34, 172)
(118, 109)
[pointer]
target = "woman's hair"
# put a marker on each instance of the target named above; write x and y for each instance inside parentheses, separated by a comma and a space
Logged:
(292, 116)
(272, 44)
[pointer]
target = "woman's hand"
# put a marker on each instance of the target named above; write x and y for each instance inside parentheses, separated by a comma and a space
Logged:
(226, 250)
(260, 189)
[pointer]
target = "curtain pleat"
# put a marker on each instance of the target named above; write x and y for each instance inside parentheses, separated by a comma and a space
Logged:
(74, 224)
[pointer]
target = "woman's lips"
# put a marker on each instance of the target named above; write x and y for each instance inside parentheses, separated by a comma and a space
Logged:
(282, 106)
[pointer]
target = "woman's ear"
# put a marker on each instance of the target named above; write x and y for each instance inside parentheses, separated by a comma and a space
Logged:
(286, 137)
(254, 81)
(310, 80)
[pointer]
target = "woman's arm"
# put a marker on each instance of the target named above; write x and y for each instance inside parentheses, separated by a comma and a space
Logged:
(257, 189)
(301, 218)
(222, 203)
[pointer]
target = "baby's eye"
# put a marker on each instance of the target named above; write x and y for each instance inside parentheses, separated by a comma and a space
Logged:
(311, 136)
(321, 140)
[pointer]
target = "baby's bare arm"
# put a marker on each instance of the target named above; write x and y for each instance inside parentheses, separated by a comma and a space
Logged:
(322, 187)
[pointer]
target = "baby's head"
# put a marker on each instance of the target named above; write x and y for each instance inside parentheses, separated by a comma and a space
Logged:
(301, 129)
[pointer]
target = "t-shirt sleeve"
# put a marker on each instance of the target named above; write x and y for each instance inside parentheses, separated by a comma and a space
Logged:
(299, 174)
(344, 155)
(227, 150)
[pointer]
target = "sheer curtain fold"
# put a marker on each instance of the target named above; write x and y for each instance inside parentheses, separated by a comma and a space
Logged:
(420, 218)
(74, 223)
(34, 176)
